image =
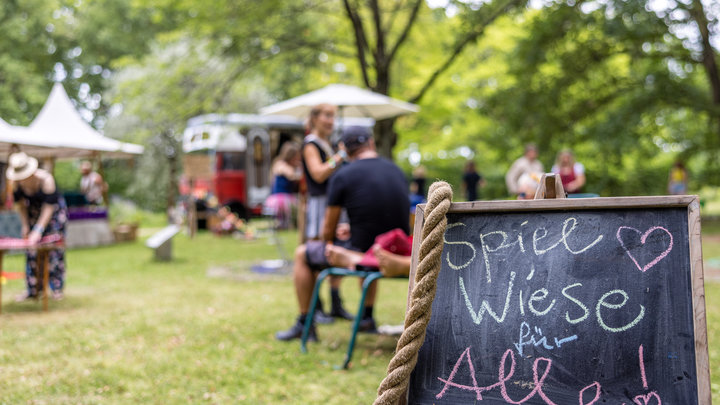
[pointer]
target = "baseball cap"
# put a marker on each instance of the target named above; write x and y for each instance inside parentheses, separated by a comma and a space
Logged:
(354, 137)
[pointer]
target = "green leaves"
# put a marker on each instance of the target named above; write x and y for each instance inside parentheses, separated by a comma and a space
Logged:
(623, 84)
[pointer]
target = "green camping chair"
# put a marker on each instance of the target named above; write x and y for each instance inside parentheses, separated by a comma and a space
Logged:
(369, 276)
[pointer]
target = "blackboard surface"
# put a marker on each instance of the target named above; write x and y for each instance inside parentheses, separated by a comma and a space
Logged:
(562, 307)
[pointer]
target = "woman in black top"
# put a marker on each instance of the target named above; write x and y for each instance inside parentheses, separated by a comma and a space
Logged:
(43, 214)
(319, 163)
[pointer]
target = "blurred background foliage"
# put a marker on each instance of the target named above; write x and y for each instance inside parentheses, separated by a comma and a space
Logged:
(630, 86)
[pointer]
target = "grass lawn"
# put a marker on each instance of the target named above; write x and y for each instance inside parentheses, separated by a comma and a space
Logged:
(132, 330)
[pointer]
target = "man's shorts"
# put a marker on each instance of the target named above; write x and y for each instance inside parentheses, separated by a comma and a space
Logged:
(315, 255)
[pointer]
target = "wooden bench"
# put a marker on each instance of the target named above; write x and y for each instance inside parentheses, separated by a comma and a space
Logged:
(161, 242)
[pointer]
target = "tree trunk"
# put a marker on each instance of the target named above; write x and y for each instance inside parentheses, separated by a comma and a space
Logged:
(385, 137)
(383, 54)
(698, 14)
(172, 157)
(172, 184)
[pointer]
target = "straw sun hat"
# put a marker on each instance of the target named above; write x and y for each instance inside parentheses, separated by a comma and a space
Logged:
(21, 166)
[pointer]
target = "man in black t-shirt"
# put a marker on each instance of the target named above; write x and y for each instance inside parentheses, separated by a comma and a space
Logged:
(374, 193)
(373, 190)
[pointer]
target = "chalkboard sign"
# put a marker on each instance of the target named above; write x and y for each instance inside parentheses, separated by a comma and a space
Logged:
(567, 302)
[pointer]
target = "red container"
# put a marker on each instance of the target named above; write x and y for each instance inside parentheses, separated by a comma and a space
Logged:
(230, 186)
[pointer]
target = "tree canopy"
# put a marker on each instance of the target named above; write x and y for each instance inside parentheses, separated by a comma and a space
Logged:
(629, 86)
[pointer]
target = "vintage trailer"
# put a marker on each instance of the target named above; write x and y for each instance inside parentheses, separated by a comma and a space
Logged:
(228, 156)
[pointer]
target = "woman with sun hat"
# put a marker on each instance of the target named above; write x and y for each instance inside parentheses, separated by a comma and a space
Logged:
(43, 213)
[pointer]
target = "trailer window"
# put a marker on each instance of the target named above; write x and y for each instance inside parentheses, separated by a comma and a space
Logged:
(232, 161)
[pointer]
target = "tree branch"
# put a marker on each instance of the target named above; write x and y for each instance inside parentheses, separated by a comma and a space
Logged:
(360, 40)
(470, 37)
(403, 36)
(381, 62)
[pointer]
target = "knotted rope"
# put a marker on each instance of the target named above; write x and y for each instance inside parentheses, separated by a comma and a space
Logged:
(398, 374)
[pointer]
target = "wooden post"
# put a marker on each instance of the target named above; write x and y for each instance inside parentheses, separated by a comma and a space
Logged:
(550, 187)
(192, 217)
(1, 273)
(698, 292)
(45, 263)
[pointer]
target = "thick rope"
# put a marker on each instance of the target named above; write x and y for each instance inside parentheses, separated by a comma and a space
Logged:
(429, 260)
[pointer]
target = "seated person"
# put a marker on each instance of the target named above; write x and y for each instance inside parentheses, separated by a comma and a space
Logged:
(390, 254)
(226, 225)
(373, 190)
(231, 224)
(528, 184)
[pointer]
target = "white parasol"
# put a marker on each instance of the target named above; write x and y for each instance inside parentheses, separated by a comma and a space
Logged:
(351, 102)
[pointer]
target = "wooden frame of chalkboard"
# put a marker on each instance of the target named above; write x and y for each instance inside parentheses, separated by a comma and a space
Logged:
(551, 208)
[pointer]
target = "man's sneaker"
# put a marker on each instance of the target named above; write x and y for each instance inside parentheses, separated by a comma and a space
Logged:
(340, 312)
(295, 332)
(367, 325)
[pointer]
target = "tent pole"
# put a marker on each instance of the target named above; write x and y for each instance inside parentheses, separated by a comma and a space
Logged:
(8, 184)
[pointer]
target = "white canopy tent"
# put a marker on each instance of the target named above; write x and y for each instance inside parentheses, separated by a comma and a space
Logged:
(59, 131)
(21, 136)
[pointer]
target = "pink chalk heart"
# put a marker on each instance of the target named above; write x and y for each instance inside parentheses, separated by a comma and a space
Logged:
(643, 239)
(645, 399)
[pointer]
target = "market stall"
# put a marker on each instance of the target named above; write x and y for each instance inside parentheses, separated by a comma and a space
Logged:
(59, 132)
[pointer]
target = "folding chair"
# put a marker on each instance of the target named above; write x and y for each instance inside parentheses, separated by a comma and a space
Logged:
(369, 276)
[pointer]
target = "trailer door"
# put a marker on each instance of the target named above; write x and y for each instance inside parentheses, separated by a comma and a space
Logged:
(258, 179)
